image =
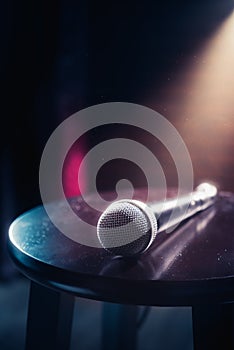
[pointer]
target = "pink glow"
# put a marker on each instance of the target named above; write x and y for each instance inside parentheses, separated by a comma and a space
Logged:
(70, 173)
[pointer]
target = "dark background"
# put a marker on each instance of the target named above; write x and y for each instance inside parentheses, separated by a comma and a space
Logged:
(58, 57)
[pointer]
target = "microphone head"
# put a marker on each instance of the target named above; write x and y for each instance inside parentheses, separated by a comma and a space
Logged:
(127, 227)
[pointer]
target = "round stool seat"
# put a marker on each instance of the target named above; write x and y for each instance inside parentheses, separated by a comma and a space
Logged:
(192, 265)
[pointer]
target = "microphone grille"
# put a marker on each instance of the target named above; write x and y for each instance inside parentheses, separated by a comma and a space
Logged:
(124, 228)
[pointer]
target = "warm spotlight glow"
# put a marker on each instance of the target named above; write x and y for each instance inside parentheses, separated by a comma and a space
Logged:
(209, 107)
(200, 102)
(210, 78)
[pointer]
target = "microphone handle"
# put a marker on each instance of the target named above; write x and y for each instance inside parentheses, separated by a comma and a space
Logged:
(174, 211)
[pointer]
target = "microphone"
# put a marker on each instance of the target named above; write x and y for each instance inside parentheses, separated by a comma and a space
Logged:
(128, 227)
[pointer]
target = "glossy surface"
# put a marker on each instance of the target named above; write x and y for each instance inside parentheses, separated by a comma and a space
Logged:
(192, 265)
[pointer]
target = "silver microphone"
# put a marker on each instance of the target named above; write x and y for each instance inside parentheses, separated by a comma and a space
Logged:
(128, 227)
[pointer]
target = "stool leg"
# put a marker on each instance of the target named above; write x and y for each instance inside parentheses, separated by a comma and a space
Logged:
(119, 328)
(213, 327)
(49, 321)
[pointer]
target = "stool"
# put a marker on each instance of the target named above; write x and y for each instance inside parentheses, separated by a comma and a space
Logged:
(193, 266)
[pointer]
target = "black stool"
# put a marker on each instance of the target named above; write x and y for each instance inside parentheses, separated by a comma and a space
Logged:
(194, 266)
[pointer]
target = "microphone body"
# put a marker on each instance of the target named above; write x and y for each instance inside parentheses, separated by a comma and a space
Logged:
(128, 227)
(183, 207)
